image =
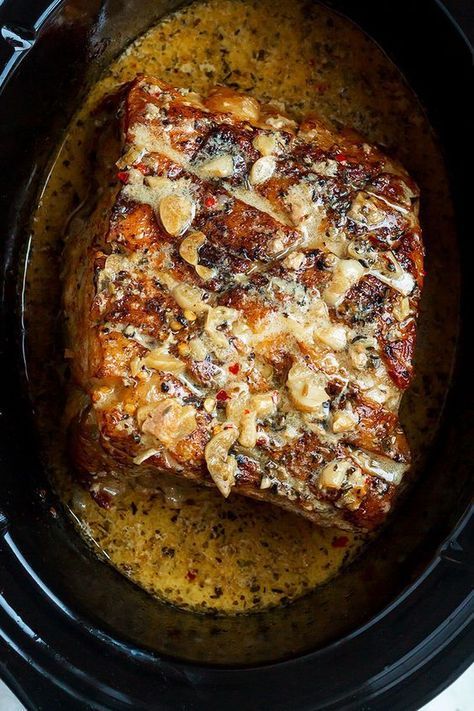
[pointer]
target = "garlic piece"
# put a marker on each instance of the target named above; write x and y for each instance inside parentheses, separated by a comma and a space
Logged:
(262, 170)
(133, 155)
(352, 498)
(222, 466)
(197, 349)
(216, 318)
(366, 210)
(333, 475)
(165, 362)
(380, 466)
(343, 421)
(227, 100)
(170, 422)
(265, 143)
(190, 297)
(347, 272)
(248, 429)
(209, 404)
(358, 357)
(399, 279)
(135, 366)
(276, 245)
(294, 260)
(157, 182)
(401, 310)
(220, 167)
(281, 122)
(237, 403)
(307, 389)
(188, 249)
(329, 364)
(333, 336)
(264, 404)
(176, 213)
(205, 272)
(378, 394)
(140, 458)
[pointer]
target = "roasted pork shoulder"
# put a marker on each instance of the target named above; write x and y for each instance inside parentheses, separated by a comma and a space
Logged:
(241, 308)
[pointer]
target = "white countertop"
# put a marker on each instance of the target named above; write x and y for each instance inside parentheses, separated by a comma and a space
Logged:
(457, 697)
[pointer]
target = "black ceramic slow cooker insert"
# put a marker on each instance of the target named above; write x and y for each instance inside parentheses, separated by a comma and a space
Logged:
(74, 633)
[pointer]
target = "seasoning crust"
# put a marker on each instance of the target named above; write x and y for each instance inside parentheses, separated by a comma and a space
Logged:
(241, 307)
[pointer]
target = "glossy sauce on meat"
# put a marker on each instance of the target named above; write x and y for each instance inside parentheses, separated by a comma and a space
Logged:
(185, 544)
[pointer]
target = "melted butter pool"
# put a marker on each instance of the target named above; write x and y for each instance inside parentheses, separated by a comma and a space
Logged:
(181, 543)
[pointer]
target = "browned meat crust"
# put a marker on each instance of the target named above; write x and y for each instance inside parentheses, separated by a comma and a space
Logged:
(241, 308)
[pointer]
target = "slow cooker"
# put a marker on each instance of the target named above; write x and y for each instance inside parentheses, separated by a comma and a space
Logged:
(73, 632)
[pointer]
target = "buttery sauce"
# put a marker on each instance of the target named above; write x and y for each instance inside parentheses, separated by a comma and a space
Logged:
(181, 543)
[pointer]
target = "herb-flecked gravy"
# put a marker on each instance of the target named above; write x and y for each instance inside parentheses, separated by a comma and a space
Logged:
(185, 544)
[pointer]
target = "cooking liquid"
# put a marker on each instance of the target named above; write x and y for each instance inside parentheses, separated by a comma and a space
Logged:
(183, 543)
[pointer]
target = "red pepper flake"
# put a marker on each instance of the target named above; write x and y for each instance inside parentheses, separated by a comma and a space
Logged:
(191, 574)
(123, 176)
(311, 62)
(340, 542)
(142, 168)
(261, 441)
(234, 368)
(321, 88)
(222, 396)
(210, 201)
(340, 157)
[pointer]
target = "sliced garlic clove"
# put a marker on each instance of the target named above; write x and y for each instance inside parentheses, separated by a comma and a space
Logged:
(262, 170)
(190, 297)
(347, 272)
(344, 421)
(402, 309)
(205, 272)
(220, 167)
(163, 361)
(176, 213)
(210, 404)
(294, 260)
(333, 336)
(307, 389)
(157, 182)
(333, 475)
(264, 404)
(169, 422)
(222, 466)
(227, 100)
(248, 429)
(366, 210)
(265, 143)
(189, 247)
